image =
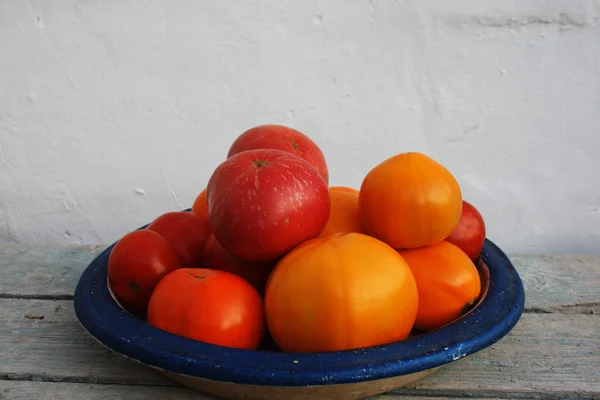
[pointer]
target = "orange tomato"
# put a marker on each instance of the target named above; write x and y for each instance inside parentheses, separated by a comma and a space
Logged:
(200, 206)
(343, 216)
(343, 189)
(210, 306)
(410, 201)
(447, 280)
(340, 292)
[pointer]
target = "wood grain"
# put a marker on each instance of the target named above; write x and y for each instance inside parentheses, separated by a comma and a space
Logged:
(560, 283)
(19, 390)
(553, 283)
(545, 353)
(43, 271)
(57, 348)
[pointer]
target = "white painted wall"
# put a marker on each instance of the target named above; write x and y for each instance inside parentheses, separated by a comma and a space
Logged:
(101, 98)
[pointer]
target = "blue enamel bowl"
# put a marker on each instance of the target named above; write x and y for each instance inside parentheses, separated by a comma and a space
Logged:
(235, 373)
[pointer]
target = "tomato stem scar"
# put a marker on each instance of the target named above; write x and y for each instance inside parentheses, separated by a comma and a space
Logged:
(197, 276)
(294, 145)
(259, 163)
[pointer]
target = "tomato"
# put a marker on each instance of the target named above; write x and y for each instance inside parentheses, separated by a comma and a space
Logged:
(186, 232)
(343, 189)
(279, 137)
(217, 257)
(469, 235)
(262, 203)
(210, 306)
(447, 280)
(410, 201)
(200, 206)
(343, 216)
(137, 262)
(340, 292)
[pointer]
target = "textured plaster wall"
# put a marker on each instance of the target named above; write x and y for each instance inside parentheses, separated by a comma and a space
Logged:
(112, 112)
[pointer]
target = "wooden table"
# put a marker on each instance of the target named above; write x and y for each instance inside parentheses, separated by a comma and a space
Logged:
(552, 353)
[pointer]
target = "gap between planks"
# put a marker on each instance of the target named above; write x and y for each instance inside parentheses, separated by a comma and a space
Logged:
(591, 308)
(52, 297)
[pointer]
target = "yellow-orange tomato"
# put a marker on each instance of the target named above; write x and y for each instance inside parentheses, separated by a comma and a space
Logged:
(200, 206)
(410, 201)
(447, 280)
(340, 292)
(343, 189)
(343, 216)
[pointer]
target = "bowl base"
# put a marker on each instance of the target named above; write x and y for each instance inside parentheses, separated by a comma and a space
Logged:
(348, 391)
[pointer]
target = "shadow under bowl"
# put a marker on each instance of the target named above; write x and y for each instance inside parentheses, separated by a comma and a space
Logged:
(262, 374)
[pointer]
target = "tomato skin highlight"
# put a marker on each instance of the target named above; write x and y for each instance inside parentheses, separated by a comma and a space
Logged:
(137, 262)
(211, 306)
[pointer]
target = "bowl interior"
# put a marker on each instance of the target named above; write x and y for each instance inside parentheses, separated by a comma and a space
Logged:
(269, 345)
(496, 312)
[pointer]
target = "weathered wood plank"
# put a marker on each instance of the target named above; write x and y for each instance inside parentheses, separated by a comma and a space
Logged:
(544, 353)
(24, 390)
(563, 283)
(44, 271)
(57, 347)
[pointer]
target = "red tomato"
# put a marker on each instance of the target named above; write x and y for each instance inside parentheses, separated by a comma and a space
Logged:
(469, 235)
(137, 262)
(217, 257)
(210, 306)
(186, 232)
(262, 203)
(279, 137)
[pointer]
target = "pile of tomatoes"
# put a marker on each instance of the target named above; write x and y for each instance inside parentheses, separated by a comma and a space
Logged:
(272, 256)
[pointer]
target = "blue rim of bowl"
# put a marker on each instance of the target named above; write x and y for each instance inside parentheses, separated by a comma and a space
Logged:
(488, 322)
